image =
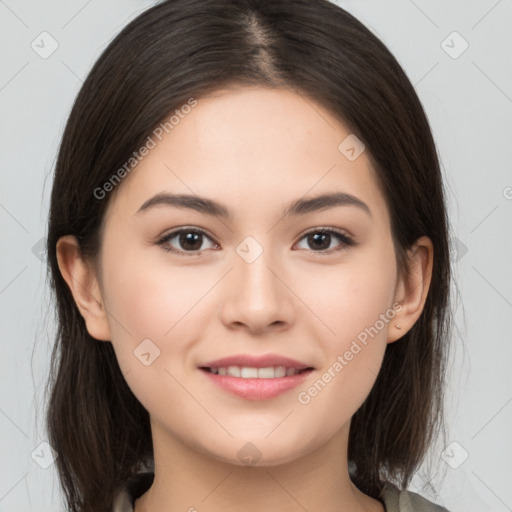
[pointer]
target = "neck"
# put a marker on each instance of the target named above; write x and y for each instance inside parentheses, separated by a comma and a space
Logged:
(189, 480)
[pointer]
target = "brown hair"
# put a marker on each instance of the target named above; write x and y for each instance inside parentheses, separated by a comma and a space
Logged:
(180, 49)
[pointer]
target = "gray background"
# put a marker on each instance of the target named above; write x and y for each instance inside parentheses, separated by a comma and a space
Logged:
(468, 98)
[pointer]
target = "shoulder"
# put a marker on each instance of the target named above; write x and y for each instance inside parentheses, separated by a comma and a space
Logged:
(396, 500)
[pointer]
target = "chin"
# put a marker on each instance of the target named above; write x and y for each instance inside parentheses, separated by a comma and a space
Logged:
(258, 452)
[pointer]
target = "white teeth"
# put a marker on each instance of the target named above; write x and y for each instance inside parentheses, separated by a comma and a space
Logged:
(249, 373)
(266, 373)
(246, 372)
(234, 371)
(280, 371)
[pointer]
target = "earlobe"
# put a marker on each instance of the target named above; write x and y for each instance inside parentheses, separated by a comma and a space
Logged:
(83, 283)
(413, 289)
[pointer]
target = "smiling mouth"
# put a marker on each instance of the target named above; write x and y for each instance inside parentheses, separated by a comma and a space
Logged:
(246, 372)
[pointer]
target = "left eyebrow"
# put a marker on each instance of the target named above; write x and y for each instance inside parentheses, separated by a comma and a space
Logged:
(216, 209)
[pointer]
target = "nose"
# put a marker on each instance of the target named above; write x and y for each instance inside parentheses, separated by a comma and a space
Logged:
(257, 297)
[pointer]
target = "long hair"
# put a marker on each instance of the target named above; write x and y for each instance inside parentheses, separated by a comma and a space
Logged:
(181, 49)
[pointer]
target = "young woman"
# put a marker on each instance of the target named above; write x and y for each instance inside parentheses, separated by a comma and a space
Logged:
(248, 246)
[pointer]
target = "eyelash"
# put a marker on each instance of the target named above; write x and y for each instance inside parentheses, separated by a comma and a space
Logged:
(346, 241)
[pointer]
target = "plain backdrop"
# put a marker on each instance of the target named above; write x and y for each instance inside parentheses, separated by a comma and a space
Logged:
(457, 53)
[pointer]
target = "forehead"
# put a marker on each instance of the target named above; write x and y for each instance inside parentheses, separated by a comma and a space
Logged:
(252, 148)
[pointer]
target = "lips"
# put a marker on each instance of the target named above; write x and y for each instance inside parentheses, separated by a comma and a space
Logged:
(256, 378)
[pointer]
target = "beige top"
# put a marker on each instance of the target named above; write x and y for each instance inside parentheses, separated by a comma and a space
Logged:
(393, 499)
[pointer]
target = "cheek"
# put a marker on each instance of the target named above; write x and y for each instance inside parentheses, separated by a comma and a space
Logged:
(354, 311)
(151, 316)
(150, 297)
(348, 298)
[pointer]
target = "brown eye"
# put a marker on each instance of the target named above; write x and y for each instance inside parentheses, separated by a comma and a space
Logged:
(185, 240)
(321, 239)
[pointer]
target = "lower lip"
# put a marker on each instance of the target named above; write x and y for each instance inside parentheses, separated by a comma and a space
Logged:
(257, 389)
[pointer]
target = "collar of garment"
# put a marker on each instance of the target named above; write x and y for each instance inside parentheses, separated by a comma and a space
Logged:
(393, 499)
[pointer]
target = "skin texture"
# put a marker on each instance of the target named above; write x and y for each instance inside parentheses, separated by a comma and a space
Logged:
(255, 150)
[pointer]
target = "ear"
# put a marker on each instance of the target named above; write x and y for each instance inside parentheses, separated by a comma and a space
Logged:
(412, 289)
(83, 283)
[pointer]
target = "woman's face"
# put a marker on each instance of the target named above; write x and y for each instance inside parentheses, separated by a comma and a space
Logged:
(258, 282)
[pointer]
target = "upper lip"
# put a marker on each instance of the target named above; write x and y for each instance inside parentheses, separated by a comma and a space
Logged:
(264, 361)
